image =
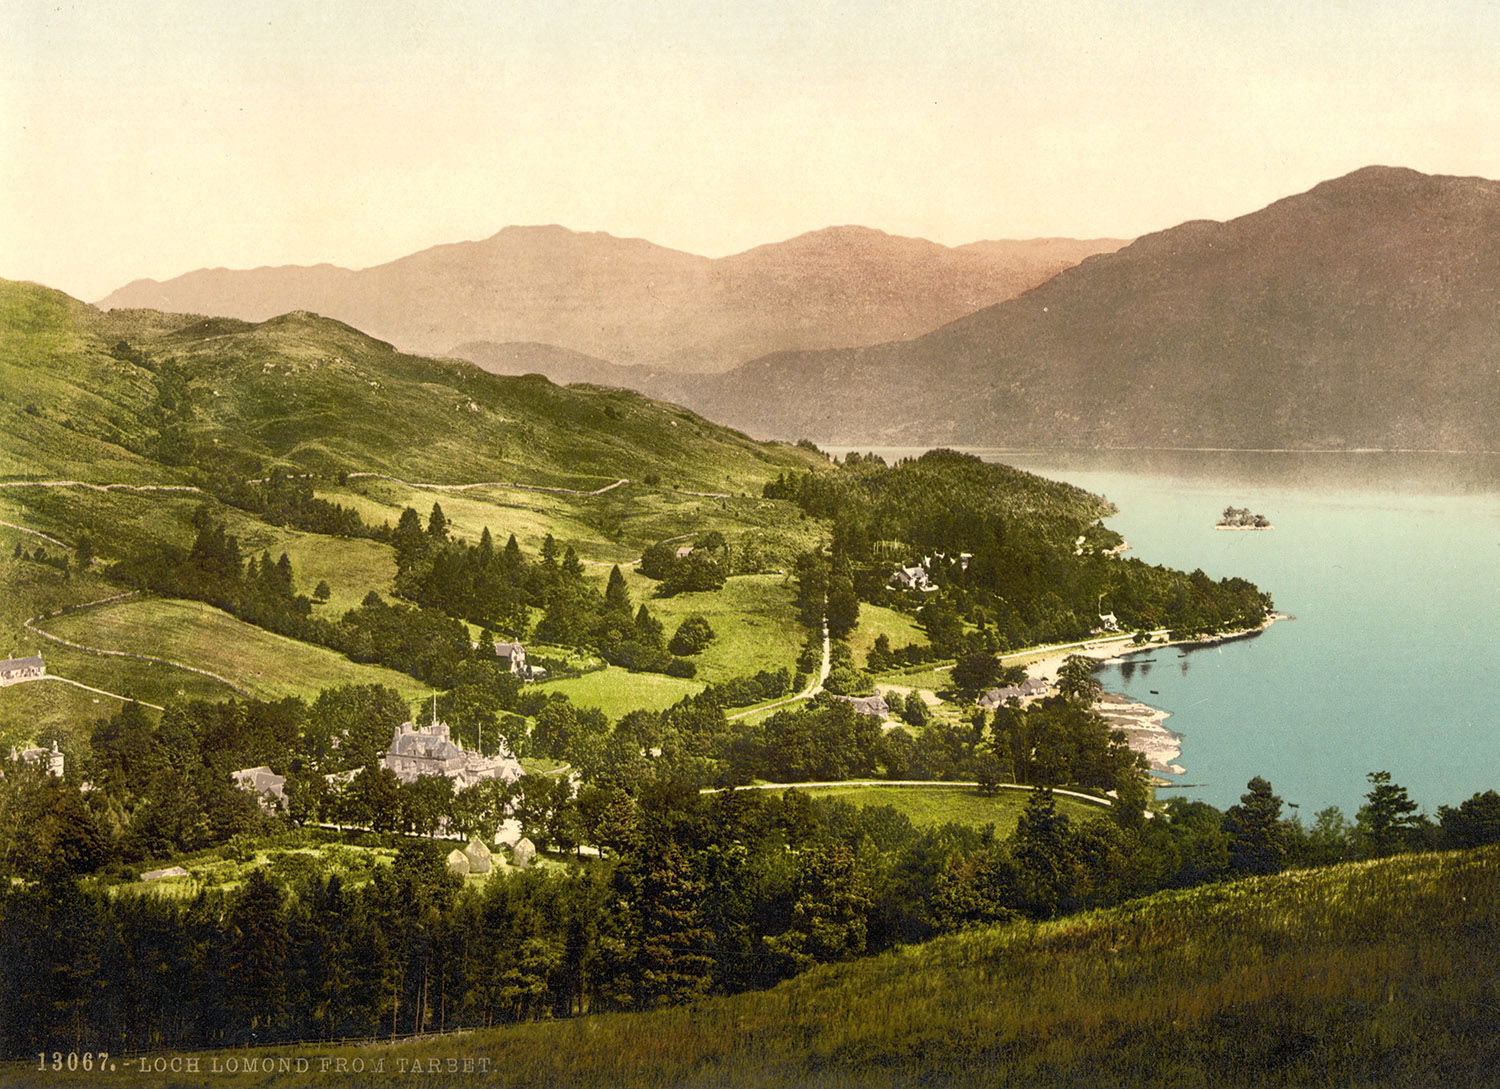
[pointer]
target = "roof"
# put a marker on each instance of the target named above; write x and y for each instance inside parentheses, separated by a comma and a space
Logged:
(505, 650)
(34, 662)
(424, 746)
(868, 705)
(1031, 686)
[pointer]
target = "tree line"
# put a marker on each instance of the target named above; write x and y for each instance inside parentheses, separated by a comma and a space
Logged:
(702, 894)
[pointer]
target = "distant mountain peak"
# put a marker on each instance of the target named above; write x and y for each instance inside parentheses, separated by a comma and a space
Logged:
(630, 301)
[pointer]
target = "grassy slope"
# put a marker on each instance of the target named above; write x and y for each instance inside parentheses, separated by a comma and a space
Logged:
(931, 806)
(309, 394)
(1371, 974)
(754, 618)
(615, 691)
(266, 665)
(877, 620)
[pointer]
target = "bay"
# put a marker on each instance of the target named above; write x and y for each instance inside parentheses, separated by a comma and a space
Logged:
(1390, 564)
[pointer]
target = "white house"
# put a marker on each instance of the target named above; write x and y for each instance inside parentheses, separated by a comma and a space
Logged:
(16, 670)
(49, 760)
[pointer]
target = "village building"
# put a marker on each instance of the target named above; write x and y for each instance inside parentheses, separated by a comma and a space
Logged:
(49, 760)
(868, 705)
(16, 670)
(1109, 622)
(911, 578)
(919, 576)
(1031, 688)
(430, 750)
(268, 787)
(513, 657)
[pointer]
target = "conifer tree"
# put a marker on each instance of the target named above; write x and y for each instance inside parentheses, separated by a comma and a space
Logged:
(1257, 841)
(616, 592)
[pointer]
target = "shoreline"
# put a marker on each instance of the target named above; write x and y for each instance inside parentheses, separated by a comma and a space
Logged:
(1046, 668)
(1144, 725)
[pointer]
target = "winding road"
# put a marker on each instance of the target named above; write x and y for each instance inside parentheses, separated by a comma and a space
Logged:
(1105, 802)
(31, 626)
(488, 484)
(814, 686)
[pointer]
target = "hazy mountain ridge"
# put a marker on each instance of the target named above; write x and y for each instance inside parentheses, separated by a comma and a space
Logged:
(141, 396)
(1357, 314)
(633, 302)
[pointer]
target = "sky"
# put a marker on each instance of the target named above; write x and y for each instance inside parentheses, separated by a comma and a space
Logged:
(150, 138)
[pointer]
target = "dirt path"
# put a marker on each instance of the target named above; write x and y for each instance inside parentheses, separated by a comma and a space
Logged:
(907, 783)
(91, 688)
(488, 484)
(34, 533)
(814, 686)
(101, 487)
(31, 625)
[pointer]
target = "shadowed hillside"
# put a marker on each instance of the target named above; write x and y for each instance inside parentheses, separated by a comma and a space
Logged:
(1358, 314)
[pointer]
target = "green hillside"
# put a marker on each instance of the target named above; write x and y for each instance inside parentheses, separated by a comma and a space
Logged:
(113, 392)
(1366, 974)
(174, 410)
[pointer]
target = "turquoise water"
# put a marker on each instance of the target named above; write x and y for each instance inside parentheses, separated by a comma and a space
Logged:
(1390, 565)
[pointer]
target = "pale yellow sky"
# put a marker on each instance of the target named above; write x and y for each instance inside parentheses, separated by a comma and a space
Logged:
(153, 137)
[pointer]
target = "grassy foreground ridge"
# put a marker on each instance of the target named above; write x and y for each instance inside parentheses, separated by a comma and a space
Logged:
(1374, 973)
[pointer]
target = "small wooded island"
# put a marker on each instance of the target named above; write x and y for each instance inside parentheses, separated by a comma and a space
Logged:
(1242, 518)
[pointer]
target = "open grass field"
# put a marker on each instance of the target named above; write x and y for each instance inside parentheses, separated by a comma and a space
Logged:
(615, 691)
(928, 677)
(1377, 974)
(267, 666)
(39, 708)
(931, 806)
(877, 620)
(754, 619)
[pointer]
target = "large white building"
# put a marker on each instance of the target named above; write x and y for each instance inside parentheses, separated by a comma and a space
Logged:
(430, 750)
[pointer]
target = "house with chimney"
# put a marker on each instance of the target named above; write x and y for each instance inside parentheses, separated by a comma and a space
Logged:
(16, 670)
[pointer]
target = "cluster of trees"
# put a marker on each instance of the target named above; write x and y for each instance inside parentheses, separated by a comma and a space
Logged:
(884, 657)
(1039, 561)
(489, 586)
(704, 567)
(285, 500)
(611, 623)
(699, 895)
(768, 684)
(423, 642)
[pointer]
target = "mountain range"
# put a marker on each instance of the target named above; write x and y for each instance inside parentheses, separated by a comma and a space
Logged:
(1359, 314)
(630, 301)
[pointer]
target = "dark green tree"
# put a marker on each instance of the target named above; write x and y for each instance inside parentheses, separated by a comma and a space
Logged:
(693, 636)
(973, 673)
(1257, 840)
(1473, 823)
(1388, 819)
